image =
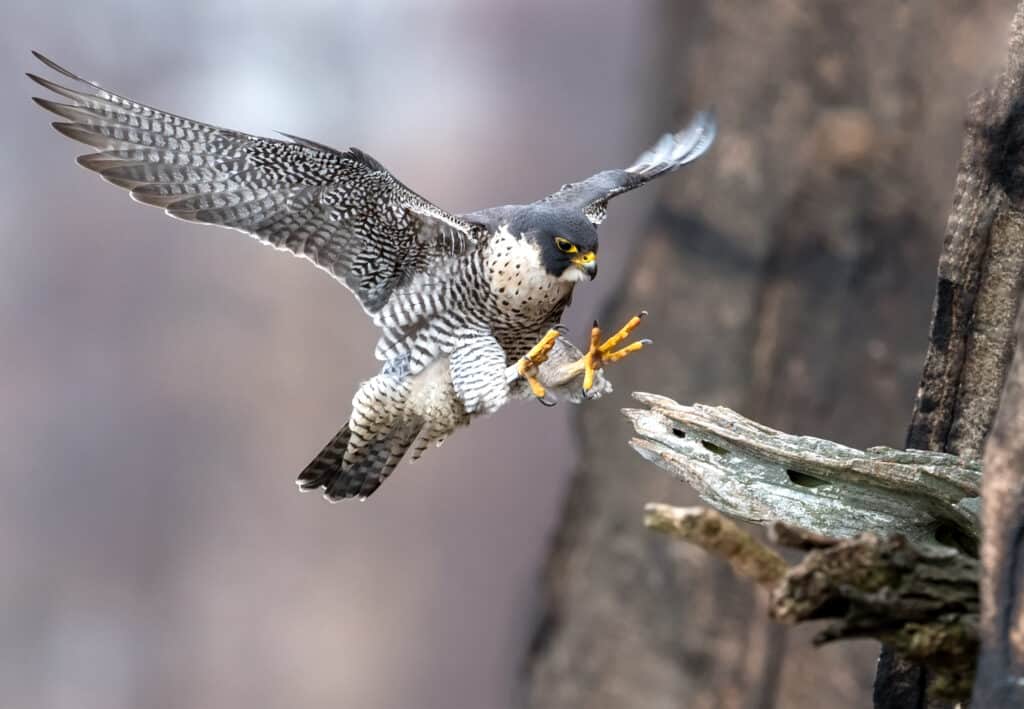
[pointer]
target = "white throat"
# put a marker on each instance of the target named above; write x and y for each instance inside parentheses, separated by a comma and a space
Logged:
(572, 274)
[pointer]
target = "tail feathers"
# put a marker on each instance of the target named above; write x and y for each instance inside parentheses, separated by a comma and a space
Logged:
(327, 464)
(344, 470)
(427, 435)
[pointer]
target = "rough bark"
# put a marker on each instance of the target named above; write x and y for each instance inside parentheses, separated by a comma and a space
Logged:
(921, 600)
(783, 275)
(1000, 681)
(718, 534)
(981, 272)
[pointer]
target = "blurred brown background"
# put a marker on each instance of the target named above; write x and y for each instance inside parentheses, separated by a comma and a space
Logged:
(163, 383)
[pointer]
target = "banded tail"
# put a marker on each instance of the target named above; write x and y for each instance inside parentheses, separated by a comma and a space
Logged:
(342, 477)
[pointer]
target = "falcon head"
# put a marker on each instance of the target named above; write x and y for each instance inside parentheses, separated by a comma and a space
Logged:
(565, 238)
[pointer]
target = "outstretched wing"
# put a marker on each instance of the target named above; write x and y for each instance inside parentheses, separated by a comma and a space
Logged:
(340, 210)
(670, 153)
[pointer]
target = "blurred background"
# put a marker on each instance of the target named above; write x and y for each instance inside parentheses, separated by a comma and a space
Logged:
(163, 383)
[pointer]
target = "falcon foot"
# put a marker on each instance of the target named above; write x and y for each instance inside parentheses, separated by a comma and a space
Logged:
(604, 353)
(534, 358)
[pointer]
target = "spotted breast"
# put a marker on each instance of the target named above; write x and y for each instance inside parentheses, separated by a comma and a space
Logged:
(525, 298)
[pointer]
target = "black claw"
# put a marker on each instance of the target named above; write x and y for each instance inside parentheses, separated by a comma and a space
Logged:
(642, 314)
(545, 402)
(595, 323)
(561, 328)
(645, 342)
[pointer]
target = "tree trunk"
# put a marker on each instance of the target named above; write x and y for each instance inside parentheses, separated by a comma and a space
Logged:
(1000, 678)
(788, 276)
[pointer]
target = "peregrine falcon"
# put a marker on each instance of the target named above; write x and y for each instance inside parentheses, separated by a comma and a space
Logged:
(468, 305)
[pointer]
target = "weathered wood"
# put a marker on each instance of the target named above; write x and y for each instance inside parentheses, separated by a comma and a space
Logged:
(711, 530)
(921, 600)
(1001, 665)
(759, 474)
(900, 579)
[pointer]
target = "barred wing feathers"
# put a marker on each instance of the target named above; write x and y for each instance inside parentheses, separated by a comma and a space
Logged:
(670, 153)
(343, 211)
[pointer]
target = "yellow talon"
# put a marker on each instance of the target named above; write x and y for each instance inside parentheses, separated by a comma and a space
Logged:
(604, 353)
(525, 371)
(534, 358)
(622, 334)
(598, 355)
(624, 352)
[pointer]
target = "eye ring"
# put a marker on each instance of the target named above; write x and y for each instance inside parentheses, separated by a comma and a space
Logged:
(565, 246)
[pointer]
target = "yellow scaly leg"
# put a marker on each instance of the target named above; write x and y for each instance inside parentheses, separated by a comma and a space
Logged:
(534, 358)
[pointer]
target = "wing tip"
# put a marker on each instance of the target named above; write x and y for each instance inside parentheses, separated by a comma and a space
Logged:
(75, 95)
(59, 109)
(42, 57)
(705, 121)
(79, 132)
(703, 128)
(673, 150)
(45, 60)
(45, 83)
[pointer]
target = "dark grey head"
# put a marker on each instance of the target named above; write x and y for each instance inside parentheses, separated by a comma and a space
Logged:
(566, 238)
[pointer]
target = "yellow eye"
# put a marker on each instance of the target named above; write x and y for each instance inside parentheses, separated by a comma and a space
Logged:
(565, 246)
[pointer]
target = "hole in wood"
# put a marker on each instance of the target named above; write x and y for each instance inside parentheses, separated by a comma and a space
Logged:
(950, 535)
(678, 433)
(803, 479)
(717, 450)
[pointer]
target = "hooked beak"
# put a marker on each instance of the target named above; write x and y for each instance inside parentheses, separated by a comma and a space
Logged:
(586, 262)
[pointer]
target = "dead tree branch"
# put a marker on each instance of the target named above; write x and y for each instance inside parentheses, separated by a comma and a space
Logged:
(920, 599)
(760, 475)
(876, 523)
(719, 535)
